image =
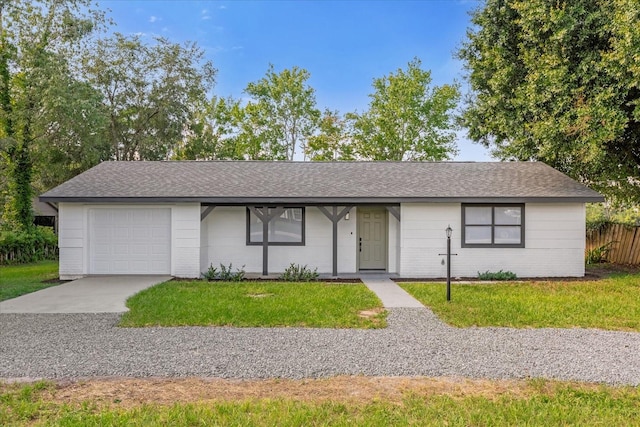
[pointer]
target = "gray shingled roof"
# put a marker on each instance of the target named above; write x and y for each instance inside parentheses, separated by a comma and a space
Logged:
(237, 182)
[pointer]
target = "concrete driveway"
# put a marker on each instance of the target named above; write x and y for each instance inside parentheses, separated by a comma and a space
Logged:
(99, 294)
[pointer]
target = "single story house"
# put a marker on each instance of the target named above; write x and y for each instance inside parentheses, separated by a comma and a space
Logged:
(179, 217)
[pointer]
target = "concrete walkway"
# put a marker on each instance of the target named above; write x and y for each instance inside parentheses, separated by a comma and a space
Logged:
(99, 294)
(391, 295)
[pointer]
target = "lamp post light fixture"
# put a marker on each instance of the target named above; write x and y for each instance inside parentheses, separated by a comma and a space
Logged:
(448, 231)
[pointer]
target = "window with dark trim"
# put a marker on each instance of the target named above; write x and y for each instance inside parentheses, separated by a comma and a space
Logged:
(287, 229)
(493, 225)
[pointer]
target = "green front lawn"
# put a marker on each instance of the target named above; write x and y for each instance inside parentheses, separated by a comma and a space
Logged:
(16, 280)
(612, 303)
(269, 304)
(551, 405)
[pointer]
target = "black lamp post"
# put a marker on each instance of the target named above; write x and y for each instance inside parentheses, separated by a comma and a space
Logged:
(449, 231)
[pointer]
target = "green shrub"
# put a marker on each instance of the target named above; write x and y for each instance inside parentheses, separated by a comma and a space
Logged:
(36, 244)
(298, 273)
(497, 275)
(211, 273)
(227, 275)
(598, 255)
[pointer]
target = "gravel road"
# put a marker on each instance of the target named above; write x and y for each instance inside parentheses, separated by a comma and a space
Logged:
(415, 343)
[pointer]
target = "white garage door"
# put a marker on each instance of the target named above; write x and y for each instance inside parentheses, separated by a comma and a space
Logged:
(130, 241)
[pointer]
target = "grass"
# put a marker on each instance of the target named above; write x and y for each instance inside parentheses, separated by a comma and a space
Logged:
(268, 304)
(548, 403)
(26, 278)
(612, 303)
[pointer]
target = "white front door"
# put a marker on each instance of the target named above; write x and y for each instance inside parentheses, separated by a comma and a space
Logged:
(372, 238)
(130, 241)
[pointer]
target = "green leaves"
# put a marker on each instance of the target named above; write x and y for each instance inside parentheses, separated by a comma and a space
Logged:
(559, 82)
(39, 104)
(149, 92)
(407, 119)
(282, 113)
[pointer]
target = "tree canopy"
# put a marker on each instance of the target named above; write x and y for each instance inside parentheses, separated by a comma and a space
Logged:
(71, 97)
(37, 42)
(281, 114)
(407, 118)
(559, 82)
(150, 92)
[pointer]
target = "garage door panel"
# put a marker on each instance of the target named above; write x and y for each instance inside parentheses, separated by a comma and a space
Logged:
(138, 233)
(101, 267)
(120, 250)
(130, 241)
(120, 232)
(102, 250)
(141, 217)
(159, 250)
(157, 233)
(140, 250)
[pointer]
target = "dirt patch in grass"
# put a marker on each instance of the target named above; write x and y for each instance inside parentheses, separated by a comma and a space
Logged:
(130, 392)
(376, 315)
(259, 295)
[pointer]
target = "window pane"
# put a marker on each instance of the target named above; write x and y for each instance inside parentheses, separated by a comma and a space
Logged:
(477, 215)
(287, 227)
(477, 235)
(509, 235)
(507, 215)
(255, 228)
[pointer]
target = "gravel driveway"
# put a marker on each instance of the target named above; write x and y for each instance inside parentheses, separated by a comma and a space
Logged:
(415, 343)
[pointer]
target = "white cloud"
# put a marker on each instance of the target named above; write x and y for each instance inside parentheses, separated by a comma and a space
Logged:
(222, 7)
(204, 14)
(153, 18)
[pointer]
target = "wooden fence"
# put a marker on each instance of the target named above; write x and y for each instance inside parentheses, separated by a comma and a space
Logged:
(625, 246)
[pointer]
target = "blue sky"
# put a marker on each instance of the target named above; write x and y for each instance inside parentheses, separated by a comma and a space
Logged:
(343, 44)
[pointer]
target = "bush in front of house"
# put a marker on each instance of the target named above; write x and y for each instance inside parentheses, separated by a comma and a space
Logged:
(299, 273)
(36, 244)
(497, 275)
(225, 274)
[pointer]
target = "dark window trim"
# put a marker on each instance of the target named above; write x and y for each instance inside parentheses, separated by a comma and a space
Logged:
(493, 225)
(301, 243)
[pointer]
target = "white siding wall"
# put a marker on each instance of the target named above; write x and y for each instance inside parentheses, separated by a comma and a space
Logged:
(554, 243)
(71, 240)
(226, 243)
(394, 244)
(204, 242)
(74, 238)
(185, 237)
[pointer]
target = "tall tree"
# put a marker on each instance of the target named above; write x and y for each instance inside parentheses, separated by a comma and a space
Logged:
(150, 91)
(559, 82)
(407, 118)
(332, 141)
(213, 133)
(36, 39)
(281, 115)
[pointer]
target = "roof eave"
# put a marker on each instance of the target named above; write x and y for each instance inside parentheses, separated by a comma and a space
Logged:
(230, 201)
